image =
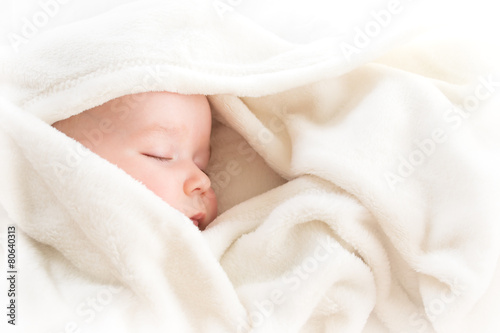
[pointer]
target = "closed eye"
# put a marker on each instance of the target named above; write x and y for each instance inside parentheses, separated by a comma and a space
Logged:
(159, 158)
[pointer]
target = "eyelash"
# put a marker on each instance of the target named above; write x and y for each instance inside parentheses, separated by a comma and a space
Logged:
(166, 159)
(161, 159)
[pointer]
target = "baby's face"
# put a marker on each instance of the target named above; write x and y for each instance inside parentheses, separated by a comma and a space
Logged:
(161, 139)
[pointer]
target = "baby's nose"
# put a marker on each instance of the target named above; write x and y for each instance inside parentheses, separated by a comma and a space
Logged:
(197, 180)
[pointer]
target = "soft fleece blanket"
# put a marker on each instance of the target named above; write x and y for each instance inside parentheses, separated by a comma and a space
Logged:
(358, 186)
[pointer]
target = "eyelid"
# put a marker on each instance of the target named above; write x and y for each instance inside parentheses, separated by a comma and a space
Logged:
(159, 158)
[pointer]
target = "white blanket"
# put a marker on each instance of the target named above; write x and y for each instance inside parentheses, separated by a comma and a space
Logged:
(358, 183)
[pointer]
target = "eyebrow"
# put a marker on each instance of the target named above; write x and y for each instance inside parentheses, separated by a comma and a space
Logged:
(163, 130)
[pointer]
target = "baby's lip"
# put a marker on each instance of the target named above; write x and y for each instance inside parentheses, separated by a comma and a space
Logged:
(198, 218)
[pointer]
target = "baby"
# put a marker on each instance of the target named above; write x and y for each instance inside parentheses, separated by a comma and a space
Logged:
(162, 139)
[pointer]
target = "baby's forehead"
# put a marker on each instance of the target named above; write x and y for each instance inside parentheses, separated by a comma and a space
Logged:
(129, 109)
(157, 130)
(159, 114)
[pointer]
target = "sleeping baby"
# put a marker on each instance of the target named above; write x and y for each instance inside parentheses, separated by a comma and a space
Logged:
(163, 141)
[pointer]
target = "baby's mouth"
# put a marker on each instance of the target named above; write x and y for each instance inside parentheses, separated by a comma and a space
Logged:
(198, 219)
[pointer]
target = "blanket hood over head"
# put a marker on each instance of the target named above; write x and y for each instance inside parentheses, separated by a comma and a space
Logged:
(358, 186)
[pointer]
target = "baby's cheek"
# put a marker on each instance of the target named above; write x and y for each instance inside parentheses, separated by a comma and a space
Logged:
(160, 185)
(211, 204)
